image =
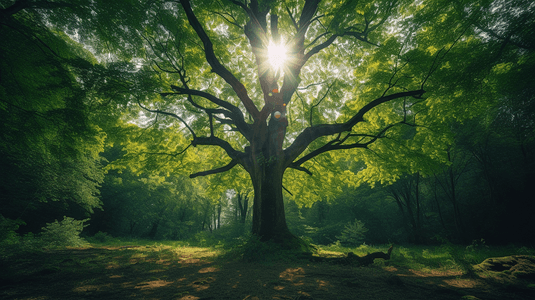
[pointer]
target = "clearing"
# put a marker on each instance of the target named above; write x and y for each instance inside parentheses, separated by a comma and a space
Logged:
(190, 273)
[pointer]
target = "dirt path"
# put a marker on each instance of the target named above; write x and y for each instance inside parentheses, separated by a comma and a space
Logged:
(124, 273)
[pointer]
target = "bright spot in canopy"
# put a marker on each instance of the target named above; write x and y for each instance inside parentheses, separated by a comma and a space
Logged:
(276, 55)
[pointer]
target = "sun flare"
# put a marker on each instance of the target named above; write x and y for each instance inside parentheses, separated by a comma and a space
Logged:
(276, 55)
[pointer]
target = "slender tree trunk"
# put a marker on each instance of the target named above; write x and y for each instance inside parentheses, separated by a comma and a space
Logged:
(237, 209)
(438, 208)
(154, 229)
(243, 207)
(457, 218)
(219, 216)
(132, 225)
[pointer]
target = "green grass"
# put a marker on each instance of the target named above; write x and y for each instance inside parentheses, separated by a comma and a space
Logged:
(125, 242)
(447, 257)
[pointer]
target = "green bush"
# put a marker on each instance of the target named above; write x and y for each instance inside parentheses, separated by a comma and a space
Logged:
(353, 233)
(323, 235)
(102, 237)
(7, 230)
(63, 234)
(204, 239)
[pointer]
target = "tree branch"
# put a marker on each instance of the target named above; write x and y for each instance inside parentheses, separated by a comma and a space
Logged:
(292, 18)
(288, 191)
(256, 32)
(319, 102)
(215, 141)
(337, 144)
(296, 61)
(217, 67)
(24, 4)
(215, 171)
(300, 168)
(167, 153)
(233, 112)
(157, 111)
(312, 133)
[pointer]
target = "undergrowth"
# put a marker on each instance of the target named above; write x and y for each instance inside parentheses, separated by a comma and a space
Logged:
(445, 257)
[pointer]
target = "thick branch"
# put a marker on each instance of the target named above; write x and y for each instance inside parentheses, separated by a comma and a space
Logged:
(274, 28)
(256, 32)
(320, 47)
(308, 12)
(215, 141)
(15, 8)
(24, 4)
(215, 171)
(312, 133)
(296, 61)
(359, 116)
(338, 144)
(217, 67)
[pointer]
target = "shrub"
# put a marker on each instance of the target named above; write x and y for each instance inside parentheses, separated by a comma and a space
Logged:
(353, 233)
(204, 239)
(63, 234)
(102, 237)
(7, 230)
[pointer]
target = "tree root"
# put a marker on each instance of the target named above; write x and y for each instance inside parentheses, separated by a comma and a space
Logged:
(353, 259)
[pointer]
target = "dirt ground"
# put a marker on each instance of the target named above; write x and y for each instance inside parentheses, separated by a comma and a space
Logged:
(123, 273)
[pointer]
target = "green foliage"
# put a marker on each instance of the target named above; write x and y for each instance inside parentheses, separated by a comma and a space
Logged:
(205, 239)
(353, 233)
(102, 237)
(63, 234)
(8, 230)
(360, 250)
(475, 58)
(49, 147)
(477, 245)
(325, 234)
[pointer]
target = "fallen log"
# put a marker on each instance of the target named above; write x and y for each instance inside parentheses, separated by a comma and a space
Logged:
(353, 259)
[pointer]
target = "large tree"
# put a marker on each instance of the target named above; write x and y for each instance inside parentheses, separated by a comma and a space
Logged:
(352, 77)
(266, 146)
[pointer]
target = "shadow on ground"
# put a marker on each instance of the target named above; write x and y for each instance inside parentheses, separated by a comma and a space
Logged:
(124, 273)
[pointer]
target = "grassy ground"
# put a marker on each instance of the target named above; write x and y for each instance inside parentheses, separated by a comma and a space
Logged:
(120, 269)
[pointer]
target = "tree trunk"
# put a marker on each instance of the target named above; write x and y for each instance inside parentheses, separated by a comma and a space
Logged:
(219, 216)
(269, 218)
(243, 207)
(154, 229)
(266, 164)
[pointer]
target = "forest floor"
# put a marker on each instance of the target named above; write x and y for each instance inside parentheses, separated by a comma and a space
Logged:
(189, 273)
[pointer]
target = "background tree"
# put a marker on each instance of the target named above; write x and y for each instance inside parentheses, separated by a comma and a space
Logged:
(49, 148)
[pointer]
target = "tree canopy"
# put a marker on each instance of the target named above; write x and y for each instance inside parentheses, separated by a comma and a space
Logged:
(360, 92)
